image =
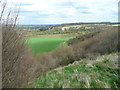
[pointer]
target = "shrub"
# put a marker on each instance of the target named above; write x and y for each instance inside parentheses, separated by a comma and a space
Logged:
(107, 42)
(17, 61)
(103, 43)
(82, 37)
(80, 49)
(43, 28)
(64, 55)
(61, 56)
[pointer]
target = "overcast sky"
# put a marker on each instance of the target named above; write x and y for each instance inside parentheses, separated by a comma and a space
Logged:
(66, 11)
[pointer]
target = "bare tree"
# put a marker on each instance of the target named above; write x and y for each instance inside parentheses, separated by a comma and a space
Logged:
(17, 62)
(0, 54)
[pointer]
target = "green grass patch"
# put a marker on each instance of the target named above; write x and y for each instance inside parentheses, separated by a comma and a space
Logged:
(45, 44)
(102, 74)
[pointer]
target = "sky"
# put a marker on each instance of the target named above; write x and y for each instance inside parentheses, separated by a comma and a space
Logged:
(66, 11)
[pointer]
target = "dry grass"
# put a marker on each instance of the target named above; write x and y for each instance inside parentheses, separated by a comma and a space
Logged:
(101, 73)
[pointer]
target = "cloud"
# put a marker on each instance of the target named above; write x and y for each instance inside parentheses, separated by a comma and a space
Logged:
(24, 4)
(65, 11)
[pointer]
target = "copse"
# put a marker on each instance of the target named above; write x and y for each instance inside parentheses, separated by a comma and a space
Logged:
(43, 29)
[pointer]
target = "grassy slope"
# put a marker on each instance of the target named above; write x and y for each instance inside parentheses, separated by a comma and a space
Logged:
(99, 73)
(45, 44)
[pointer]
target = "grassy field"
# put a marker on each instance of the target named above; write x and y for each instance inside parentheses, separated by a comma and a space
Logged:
(99, 73)
(45, 44)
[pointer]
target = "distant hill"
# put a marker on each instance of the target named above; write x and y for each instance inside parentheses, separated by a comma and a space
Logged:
(79, 23)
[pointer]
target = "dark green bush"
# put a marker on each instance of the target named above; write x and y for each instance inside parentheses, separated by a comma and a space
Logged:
(43, 28)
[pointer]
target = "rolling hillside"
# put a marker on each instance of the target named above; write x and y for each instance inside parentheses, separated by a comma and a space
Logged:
(99, 73)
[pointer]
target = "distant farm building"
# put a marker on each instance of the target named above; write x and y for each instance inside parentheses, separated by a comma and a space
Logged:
(65, 28)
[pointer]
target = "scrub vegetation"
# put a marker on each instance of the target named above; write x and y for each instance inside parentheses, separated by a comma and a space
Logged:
(102, 72)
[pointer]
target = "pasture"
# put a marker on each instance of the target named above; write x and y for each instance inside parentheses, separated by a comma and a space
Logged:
(45, 44)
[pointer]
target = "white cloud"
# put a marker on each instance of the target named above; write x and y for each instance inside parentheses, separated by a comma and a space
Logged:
(62, 11)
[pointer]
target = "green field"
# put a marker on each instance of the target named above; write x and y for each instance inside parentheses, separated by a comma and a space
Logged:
(45, 44)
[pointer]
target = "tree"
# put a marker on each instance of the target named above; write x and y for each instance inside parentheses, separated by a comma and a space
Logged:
(17, 62)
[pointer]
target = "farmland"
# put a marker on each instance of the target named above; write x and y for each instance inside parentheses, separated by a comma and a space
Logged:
(45, 44)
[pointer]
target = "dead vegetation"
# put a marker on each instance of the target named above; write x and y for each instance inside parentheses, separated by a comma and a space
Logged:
(17, 61)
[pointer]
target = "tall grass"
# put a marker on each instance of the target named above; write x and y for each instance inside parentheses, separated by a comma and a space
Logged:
(101, 72)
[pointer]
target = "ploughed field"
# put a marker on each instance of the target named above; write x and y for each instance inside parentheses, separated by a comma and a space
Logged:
(45, 44)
